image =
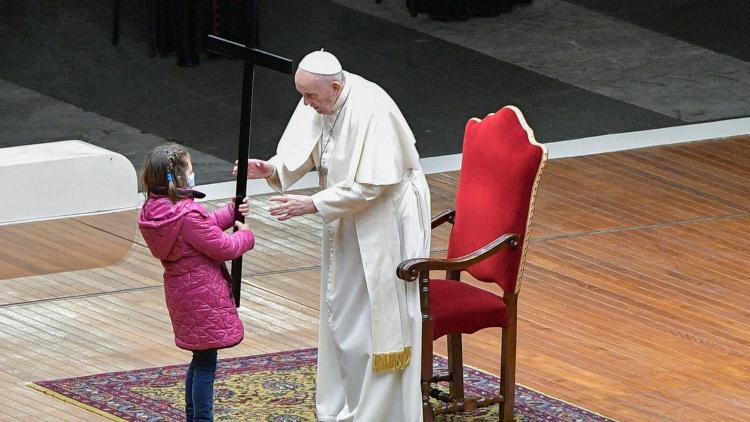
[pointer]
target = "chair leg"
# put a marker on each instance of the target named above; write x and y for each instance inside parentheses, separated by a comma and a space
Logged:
(426, 381)
(426, 370)
(456, 367)
(508, 360)
(115, 22)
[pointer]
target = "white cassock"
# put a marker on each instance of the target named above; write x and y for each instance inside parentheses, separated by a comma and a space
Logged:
(375, 205)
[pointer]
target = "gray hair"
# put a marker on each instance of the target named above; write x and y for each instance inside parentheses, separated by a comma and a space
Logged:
(337, 77)
(328, 79)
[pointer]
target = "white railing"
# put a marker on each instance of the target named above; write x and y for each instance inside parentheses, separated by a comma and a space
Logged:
(60, 179)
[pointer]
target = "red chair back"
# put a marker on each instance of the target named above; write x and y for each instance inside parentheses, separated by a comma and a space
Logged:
(500, 170)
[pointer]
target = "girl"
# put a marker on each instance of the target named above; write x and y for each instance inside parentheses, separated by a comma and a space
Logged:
(192, 247)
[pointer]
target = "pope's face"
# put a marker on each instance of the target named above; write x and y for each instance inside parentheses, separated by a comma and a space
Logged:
(317, 92)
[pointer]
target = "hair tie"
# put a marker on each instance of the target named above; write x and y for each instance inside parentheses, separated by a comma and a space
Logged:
(169, 177)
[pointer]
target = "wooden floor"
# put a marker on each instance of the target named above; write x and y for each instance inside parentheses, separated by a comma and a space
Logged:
(634, 301)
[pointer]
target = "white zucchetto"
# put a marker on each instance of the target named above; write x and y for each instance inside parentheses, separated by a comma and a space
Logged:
(321, 63)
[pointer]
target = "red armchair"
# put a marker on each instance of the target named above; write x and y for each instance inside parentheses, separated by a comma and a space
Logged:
(500, 171)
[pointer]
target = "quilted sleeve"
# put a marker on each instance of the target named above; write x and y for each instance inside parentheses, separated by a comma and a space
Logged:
(200, 232)
(223, 217)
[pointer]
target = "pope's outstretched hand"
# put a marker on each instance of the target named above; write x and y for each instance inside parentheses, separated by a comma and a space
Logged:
(256, 169)
(292, 206)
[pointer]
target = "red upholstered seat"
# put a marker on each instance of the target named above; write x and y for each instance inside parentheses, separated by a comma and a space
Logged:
(462, 308)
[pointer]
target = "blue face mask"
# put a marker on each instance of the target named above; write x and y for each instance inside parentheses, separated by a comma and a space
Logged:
(191, 180)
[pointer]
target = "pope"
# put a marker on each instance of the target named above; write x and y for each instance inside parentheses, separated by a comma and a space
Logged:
(375, 206)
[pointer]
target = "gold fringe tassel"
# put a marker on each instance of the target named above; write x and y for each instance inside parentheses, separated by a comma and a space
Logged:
(393, 361)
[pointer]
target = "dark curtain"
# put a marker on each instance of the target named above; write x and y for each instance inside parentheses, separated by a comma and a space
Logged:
(182, 25)
(450, 10)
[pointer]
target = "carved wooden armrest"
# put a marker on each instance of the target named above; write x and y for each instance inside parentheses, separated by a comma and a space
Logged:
(409, 270)
(442, 217)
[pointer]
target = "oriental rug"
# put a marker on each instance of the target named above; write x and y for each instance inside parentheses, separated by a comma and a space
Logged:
(276, 387)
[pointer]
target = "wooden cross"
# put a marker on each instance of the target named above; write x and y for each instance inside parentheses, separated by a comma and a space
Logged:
(251, 57)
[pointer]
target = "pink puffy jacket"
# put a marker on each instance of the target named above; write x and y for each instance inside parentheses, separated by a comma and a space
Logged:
(192, 247)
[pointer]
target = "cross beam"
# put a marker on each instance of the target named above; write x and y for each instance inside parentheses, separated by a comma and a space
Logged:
(252, 57)
(258, 57)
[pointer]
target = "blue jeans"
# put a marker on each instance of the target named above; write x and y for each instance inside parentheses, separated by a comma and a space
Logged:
(199, 387)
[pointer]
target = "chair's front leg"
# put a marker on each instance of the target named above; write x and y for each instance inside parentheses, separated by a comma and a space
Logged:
(455, 355)
(508, 359)
(426, 370)
(456, 367)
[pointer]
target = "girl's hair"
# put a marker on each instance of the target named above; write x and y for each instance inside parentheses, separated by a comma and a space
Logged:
(164, 171)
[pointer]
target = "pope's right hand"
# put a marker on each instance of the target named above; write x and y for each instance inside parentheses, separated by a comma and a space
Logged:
(256, 169)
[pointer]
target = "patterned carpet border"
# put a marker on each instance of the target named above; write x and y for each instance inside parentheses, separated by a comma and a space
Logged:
(273, 387)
